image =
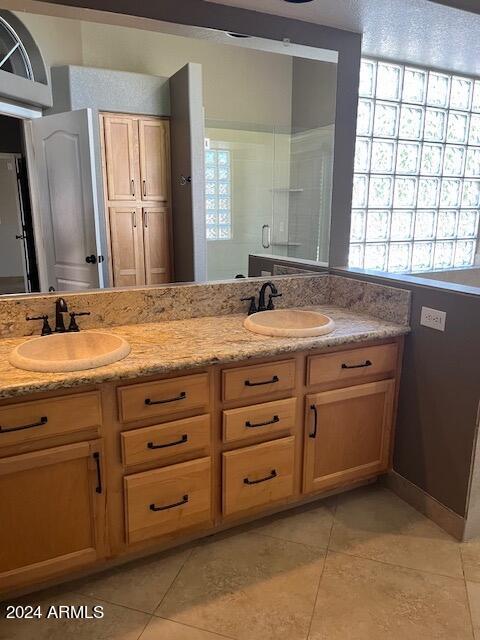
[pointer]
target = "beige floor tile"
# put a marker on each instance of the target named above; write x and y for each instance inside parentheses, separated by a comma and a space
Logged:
(473, 590)
(361, 599)
(140, 585)
(247, 586)
(471, 559)
(118, 623)
(160, 629)
(310, 525)
(374, 523)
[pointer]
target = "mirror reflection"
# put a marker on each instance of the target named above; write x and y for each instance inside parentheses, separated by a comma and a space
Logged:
(162, 157)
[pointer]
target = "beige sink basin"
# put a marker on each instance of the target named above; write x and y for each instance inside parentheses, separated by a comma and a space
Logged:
(292, 323)
(69, 352)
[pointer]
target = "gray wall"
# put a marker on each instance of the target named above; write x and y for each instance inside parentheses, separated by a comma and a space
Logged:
(346, 43)
(439, 393)
(314, 89)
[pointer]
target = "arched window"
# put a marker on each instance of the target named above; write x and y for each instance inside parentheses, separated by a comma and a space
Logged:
(20, 56)
(14, 57)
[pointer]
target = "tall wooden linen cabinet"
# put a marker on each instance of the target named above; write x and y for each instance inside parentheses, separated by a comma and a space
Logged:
(136, 167)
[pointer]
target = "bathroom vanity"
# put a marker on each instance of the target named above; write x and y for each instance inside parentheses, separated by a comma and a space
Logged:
(204, 426)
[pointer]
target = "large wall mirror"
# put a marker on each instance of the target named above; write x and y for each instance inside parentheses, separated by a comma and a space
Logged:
(166, 153)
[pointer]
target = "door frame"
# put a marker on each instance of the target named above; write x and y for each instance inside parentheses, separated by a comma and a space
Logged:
(14, 157)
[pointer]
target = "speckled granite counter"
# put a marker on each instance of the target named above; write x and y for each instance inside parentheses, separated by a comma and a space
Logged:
(164, 347)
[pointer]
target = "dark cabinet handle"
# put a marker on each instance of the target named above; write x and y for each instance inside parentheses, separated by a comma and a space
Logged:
(184, 500)
(273, 474)
(257, 384)
(251, 425)
(367, 363)
(144, 188)
(96, 457)
(182, 440)
(91, 259)
(313, 407)
(41, 422)
(182, 396)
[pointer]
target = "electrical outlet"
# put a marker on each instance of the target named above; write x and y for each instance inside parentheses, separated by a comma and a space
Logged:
(433, 318)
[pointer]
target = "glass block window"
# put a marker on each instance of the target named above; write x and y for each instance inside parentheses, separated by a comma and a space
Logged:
(416, 192)
(218, 204)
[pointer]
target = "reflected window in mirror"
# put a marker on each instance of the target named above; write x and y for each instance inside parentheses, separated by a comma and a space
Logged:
(218, 208)
(416, 196)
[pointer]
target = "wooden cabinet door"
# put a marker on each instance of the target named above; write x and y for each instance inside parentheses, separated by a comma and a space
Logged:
(120, 133)
(52, 510)
(126, 241)
(154, 141)
(156, 241)
(347, 434)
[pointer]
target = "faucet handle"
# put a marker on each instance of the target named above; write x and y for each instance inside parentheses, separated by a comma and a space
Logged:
(46, 329)
(73, 326)
(253, 307)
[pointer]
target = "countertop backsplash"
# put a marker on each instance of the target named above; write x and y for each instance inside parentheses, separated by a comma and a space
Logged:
(114, 307)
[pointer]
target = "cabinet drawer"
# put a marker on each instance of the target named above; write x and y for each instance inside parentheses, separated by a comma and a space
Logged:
(352, 365)
(258, 475)
(29, 421)
(167, 500)
(163, 398)
(166, 441)
(258, 380)
(259, 419)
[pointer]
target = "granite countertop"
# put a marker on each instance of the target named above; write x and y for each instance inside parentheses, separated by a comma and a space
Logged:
(176, 345)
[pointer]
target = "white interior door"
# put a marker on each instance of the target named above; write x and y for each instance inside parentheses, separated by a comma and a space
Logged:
(67, 208)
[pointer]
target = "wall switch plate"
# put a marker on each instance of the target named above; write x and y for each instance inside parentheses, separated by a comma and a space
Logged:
(433, 318)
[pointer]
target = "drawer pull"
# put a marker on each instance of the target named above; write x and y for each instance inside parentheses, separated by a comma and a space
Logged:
(96, 457)
(182, 396)
(250, 425)
(182, 440)
(184, 500)
(313, 407)
(273, 474)
(367, 363)
(41, 422)
(257, 384)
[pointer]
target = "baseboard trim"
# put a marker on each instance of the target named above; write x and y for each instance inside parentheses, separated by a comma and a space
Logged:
(427, 505)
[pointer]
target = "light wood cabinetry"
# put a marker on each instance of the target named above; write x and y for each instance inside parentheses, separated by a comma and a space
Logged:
(165, 442)
(25, 422)
(167, 500)
(258, 475)
(163, 398)
(154, 142)
(136, 158)
(148, 464)
(267, 418)
(120, 146)
(126, 237)
(347, 435)
(51, 510)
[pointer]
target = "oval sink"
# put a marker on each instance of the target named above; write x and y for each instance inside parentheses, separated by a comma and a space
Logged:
(291, 323)
(62, 352)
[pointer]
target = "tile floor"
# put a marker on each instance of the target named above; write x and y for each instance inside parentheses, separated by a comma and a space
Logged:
(362, 566)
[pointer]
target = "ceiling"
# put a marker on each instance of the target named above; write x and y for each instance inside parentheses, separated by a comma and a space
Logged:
(421, 32)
